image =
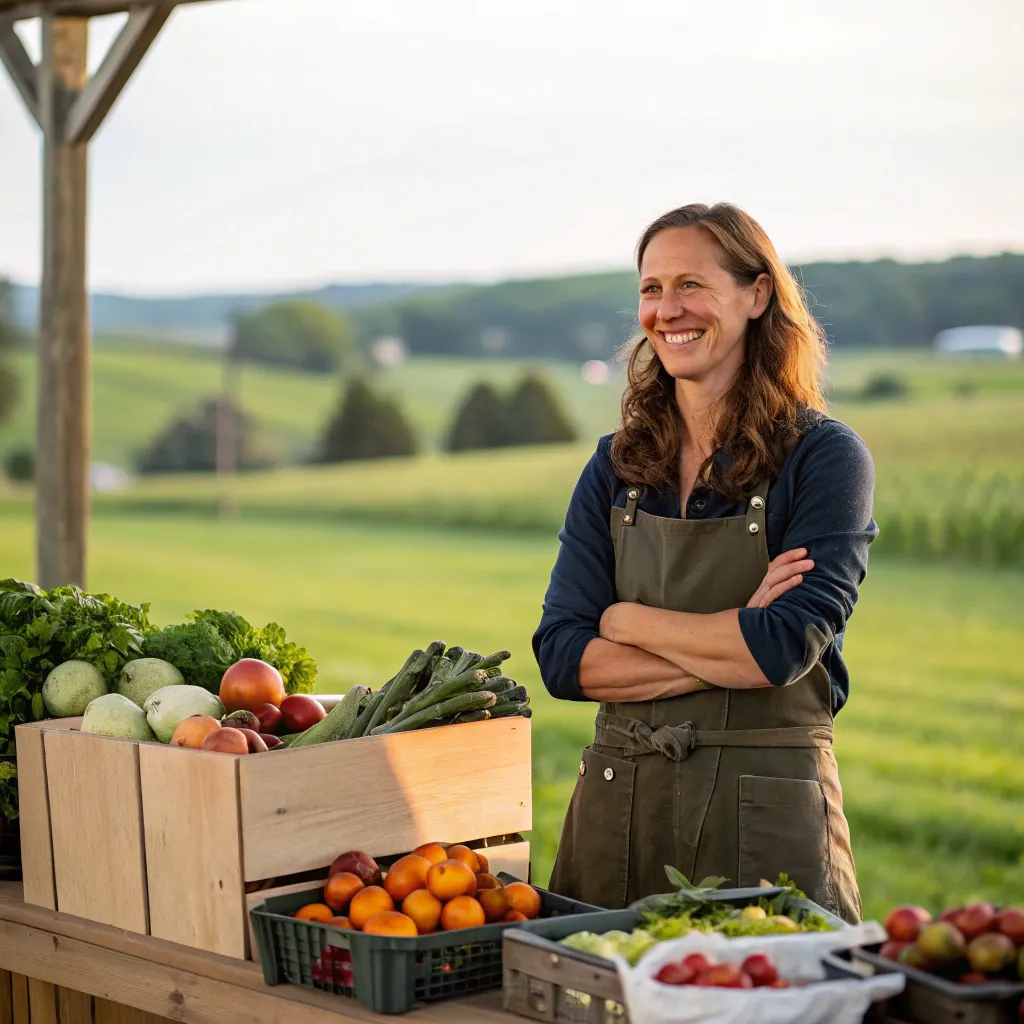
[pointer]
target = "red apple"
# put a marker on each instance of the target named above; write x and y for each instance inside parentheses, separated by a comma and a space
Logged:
(269, 717)
(950, 914)
(891, 950)
(301, 712)
(904, 924)
(941, 943)
(1011, 923)
(359, 863)
(761, 968)
(674, 974)
(990, 954)
(272, 741)
(975, 919)
(698, 963)
(911, 956)
(724, 976)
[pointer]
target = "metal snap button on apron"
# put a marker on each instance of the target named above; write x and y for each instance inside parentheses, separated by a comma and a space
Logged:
(627, 519)
(633, 494)
(583, 767)
(756, 502)
(753, 528)
(609, 774)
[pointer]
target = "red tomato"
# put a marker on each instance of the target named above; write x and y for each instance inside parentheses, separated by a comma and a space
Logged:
(300, 712)
(249, 683)
(269, 716)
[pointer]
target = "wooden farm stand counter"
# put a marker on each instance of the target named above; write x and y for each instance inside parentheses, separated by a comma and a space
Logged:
(59, 969)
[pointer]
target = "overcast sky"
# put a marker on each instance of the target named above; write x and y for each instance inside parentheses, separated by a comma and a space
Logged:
(270, 143)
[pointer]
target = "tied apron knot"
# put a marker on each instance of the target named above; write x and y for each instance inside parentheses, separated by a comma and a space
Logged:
(676, 742)
(629, 737)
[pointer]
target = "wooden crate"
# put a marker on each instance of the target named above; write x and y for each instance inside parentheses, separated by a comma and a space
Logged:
(163, 841)
(547, 982)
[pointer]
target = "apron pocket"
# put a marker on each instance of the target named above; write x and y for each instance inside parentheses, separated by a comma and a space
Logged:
(783, 828)
(592, 864)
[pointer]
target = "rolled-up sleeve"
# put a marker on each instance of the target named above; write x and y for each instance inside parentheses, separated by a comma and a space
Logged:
(830, 516)
(582, 582)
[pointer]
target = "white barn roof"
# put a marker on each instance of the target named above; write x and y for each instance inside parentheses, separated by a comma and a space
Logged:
(1008, 341)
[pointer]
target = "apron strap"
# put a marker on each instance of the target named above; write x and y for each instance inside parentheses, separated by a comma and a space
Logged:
(629, 513)
(756, 509)
(677, 742)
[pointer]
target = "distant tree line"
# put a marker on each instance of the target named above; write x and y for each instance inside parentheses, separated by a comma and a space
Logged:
(366, 424)
(884, 304)
(879, 304)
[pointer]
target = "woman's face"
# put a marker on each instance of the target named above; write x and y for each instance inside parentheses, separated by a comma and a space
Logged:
(692, 310)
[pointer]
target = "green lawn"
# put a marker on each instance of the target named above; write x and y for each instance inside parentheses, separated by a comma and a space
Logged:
(950, 483)
(928, 746)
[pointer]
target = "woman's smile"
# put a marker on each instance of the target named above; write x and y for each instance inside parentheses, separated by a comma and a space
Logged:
(676, 339)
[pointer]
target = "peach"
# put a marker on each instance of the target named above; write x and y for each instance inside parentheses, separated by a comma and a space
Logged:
(192, 731)
(226, 741)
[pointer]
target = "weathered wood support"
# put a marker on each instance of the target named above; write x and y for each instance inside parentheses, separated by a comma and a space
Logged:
(64, 401)
(69, 108)
(95, 100)
(20, 67)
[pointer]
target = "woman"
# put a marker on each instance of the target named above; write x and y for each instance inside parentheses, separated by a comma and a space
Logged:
(710, 559)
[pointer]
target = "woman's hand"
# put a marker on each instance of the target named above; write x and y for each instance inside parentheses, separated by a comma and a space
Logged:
(784, 573)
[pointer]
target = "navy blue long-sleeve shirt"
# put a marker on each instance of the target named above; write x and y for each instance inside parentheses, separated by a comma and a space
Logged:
(821, 501)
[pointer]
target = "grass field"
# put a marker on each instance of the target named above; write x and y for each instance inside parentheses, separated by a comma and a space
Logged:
(138, 387)
(928, 745)
(362, 563)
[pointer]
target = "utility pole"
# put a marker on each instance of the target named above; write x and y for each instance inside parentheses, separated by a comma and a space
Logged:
(228, 430)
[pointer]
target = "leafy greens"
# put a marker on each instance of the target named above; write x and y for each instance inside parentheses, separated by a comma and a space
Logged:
(205, 645)
(42, 629)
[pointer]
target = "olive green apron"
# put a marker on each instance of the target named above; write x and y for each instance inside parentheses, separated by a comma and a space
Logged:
(735, 782)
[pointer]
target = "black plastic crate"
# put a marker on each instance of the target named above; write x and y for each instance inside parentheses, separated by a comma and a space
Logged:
(933, 999)
(387, 974)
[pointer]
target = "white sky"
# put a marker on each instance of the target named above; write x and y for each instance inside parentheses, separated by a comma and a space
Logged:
(270, 143)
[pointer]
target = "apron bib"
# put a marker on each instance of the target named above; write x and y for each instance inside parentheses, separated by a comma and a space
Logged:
(740, 783)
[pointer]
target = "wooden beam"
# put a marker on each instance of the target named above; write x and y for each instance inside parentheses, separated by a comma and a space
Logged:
(95, 100)
(64, 404)
(21, 10)
(20, 67)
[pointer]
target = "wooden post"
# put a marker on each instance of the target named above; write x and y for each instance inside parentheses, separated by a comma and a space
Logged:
(63, 418)
(228, 432)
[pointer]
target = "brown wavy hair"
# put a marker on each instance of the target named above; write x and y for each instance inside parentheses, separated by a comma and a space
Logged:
(769, 405)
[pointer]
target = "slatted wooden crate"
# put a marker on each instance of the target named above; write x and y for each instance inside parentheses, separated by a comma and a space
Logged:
(165, 841)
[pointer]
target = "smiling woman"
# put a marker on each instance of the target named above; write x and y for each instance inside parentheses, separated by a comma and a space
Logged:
(711, 556)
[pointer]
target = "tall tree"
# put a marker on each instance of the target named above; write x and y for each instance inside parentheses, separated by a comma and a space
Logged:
(366, 426)
(9, 337)
(531, 413)
(188, 444)
(534, 414)
(300, 334)
(479, 422)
